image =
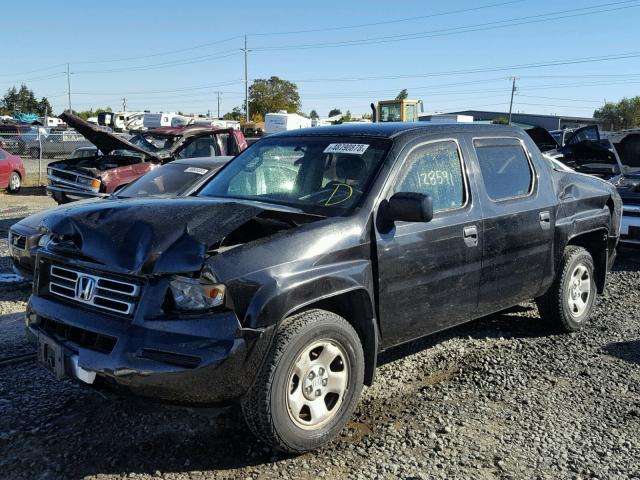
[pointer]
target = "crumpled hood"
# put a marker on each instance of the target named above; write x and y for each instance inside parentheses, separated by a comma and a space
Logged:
(33, 222)
(146, 236)
(105, 141)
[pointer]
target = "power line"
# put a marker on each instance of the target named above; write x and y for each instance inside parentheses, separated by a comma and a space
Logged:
(159, 54)
(184, 89)
(43, 69)
(388, 22)
(543, 17)
(175, 63)
(551, 63)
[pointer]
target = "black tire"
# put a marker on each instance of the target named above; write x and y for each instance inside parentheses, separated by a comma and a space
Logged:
(15, 182)
(34, 152)
(558, 306)
(266, 406)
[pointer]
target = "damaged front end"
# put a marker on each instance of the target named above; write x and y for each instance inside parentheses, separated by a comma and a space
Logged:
(116, 163)
(140, 308)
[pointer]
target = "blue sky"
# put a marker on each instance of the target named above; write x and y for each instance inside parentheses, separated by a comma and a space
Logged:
(175, 55)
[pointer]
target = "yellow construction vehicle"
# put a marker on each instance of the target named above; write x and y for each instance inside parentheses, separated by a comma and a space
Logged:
(396, 110)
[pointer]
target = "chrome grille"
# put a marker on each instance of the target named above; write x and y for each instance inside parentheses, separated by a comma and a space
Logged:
(71, 179)
(94, 290)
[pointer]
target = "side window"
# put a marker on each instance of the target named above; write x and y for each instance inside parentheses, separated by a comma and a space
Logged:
(410, 113)
(2, 155)
(435, 169)
(505, 168)
(205, 146)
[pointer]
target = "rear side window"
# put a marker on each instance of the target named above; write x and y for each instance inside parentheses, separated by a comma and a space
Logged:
(505, 168)
(435, 169)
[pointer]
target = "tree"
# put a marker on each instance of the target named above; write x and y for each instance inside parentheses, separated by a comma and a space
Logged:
(23, 100)
(314, 114)
(346, 117)
(402, 95)
(91, 112)
(335, 111)
(235, 114)
(272, 95)
(624, 114)
(500, 121)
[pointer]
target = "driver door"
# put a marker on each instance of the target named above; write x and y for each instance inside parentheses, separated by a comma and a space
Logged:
(429, 273)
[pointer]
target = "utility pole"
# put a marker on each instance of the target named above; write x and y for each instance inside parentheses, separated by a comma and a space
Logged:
(218, 104)
(124, 104)
(513, 91)
(246, 81)
(69, 85)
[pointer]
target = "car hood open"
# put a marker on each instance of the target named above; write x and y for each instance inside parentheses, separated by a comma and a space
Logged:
(105, 141)
(148, 236)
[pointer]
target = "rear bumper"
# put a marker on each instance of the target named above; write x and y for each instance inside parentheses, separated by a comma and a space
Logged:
(200, 361)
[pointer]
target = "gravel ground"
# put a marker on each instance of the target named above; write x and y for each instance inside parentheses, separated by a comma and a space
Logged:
(497, 398)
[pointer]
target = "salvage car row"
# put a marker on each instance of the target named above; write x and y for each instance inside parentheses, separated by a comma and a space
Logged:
(275, 282)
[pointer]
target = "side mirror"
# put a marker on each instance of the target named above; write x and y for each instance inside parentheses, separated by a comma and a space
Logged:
(405, 207)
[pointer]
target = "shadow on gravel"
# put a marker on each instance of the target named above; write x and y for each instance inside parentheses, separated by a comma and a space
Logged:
(15, 291)
(628, 260)
(627, 351)
(521, 321)
(29, 191)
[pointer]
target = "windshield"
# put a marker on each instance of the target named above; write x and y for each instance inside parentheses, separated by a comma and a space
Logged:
(153, 143)
(390, 112)
(167, 181)
(316, 174)
(84, 152)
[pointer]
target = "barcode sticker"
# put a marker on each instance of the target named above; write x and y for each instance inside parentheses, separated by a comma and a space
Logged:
(354, 148)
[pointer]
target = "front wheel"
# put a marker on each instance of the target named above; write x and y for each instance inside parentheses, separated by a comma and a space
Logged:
(570, 301)
(309, 384)
(15, 182)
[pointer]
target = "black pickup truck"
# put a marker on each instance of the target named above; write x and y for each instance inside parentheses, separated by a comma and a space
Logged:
(278, 284)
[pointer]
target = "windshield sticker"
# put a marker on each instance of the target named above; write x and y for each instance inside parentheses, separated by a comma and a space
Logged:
(353, 148)
(199, 171)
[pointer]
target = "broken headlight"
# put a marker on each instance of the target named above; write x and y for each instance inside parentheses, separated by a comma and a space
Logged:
(95, 183)
(192, 294)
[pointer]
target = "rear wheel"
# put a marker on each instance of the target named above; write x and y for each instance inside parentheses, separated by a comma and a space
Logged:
(570, 301)
(34, 152)
(15, 182)
(309, 385)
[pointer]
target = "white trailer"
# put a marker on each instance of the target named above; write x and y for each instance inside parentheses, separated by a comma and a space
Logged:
(283, 121)
(156, 120)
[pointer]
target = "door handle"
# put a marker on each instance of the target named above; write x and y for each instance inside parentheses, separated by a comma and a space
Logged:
(470, 235)
(545, 220)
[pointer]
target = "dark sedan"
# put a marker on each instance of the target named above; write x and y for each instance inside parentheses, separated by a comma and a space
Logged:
(179, 178)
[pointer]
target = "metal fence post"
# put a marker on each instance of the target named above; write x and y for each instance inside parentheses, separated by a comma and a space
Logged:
(39, 158)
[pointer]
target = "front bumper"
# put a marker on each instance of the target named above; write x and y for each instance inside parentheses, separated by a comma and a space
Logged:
(630, 225)
(59, 193)
(202, 361)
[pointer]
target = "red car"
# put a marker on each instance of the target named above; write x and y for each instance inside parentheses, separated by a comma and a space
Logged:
(11, 171)
(117, 161)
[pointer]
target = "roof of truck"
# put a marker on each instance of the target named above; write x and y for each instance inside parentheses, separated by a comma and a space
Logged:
(187, 130)
(392, 129)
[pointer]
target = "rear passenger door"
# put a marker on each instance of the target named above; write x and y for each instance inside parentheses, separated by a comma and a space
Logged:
(518, 221)
(429, 272)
